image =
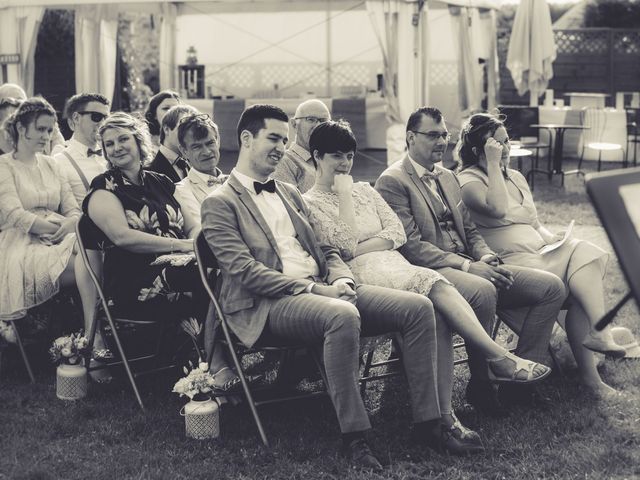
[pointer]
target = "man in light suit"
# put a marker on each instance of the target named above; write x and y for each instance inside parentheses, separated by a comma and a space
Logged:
(441, 236)
(199, 142)
(278, 282)
(168, 160)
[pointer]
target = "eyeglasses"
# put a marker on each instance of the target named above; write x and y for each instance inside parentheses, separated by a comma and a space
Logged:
(10, 102)
(311, 119)
(434, 136)
(95, 116)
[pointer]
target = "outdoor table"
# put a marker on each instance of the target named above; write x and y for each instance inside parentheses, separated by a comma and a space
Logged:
(558, 144)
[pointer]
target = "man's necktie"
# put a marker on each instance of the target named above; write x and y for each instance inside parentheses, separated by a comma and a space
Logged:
(269, 186)
(94, 152)
(183, 166)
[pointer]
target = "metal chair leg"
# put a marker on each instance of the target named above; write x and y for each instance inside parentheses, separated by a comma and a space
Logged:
(23, 352)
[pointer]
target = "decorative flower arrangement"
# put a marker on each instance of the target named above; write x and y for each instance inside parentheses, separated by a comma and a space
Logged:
(197, 383)
(70, 349)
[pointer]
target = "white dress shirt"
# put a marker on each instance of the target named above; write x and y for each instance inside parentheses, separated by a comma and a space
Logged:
(296, 261)
(90, 166)
(191, 192)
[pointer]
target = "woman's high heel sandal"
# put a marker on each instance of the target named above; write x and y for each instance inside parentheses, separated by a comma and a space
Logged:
(521, 366)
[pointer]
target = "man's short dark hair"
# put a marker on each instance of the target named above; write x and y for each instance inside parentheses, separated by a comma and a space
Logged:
(78, 102)
(198, 124)
(416, 117)
(253, 118)
(173, 115)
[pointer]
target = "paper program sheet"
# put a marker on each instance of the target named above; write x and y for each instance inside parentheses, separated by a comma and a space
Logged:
(631, 198)
(552, 246)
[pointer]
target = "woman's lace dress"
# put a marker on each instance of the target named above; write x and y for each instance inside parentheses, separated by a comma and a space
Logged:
(374, 218)
(29, 268)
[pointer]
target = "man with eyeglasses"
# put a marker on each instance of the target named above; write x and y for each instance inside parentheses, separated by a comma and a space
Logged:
(297, 167)
(168, 160)
(441, 236)
(81, 160)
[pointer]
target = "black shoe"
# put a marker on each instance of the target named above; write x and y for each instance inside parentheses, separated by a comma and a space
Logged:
(483, 398)
(360, 455)
(513, 395)
(455, 439)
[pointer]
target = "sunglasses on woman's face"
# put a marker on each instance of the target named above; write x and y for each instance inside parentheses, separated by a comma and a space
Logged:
(95, 116)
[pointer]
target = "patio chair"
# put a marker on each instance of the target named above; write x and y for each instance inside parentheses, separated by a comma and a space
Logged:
(91, 244)
(595, 120)
(633, 133)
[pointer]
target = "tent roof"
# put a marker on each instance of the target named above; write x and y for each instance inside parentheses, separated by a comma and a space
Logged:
(234, 5)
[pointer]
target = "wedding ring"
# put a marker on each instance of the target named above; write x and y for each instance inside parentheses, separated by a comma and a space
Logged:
(493, 280)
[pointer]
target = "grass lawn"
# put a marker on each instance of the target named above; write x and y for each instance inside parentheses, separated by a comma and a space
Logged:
(107, 436)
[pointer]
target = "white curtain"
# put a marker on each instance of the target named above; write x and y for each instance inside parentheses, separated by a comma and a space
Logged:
(487, 25)
(403, 42)
(96, 34)
(469, 70)
(167, 65)
(19, 34)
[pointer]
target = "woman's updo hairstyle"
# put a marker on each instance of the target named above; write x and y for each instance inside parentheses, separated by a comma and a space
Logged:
(331, 137)
(152, 109)
(474, 134)
(27, 113)
(135, 126)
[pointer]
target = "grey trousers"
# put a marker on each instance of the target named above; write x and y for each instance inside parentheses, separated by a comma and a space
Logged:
(530, 308)
(337, 325)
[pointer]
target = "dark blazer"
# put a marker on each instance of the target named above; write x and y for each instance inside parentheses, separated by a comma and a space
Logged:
(161, 164)
(407, 195)
(252, 278)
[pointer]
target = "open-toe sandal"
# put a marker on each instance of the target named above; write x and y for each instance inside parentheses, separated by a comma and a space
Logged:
(521, 365)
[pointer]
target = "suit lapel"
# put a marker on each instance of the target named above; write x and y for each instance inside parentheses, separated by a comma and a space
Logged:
(445, 188)
(406, 164)
(245, 198)
(306, 236)
(200, 191)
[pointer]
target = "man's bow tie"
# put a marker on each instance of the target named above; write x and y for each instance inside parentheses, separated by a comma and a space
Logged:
(269, 186)
(431, 175)
(211, 181)
(94, 152)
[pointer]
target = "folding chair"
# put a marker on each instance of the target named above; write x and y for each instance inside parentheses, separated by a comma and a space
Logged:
(91, 238)
(207, 262)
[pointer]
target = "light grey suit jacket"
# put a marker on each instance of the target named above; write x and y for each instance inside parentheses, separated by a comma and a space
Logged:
(407, 195)
(246, 250)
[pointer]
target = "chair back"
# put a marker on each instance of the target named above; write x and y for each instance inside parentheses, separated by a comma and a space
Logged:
(518, 119)
(206, 260)
(595, 119)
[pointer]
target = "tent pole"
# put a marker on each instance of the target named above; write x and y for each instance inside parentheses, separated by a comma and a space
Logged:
(329, 56)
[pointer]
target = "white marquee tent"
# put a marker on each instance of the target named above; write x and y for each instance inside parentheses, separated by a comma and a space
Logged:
(412, 34)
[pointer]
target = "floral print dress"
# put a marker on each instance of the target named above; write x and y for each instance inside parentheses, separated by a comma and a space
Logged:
(130, 281)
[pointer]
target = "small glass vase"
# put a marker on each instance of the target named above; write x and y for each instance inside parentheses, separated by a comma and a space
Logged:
(71, 381)
(201, 418)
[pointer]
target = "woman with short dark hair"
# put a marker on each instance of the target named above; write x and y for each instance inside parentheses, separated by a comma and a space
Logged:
(157, 108)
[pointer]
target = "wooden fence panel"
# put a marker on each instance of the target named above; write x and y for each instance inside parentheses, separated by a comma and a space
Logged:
(598, 60)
